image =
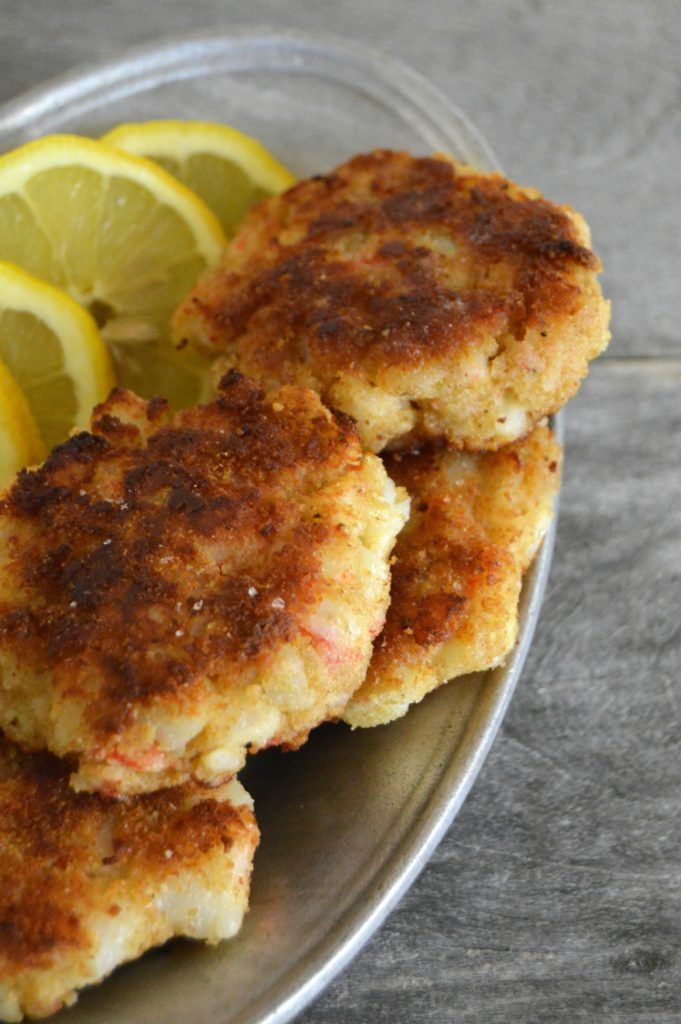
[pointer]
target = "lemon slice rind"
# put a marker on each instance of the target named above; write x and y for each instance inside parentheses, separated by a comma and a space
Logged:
(20, 443)
(86, 360)
(19, 165)
(178, 140)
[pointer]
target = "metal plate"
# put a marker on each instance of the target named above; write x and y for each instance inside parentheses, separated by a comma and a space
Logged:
(348, 821)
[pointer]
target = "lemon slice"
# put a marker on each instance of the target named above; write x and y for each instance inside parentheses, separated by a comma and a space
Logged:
(122, 237)
(20, 443)
(53, 350)
(229, 170)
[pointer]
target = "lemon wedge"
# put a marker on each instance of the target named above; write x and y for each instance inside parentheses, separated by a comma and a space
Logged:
(229, 170)
(122, 237)
(20, 443)
(53, 350)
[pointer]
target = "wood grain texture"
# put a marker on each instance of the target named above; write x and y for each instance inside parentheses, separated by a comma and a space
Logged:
(556, 896)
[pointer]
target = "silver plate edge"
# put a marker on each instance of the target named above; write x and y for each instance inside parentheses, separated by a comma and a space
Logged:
(120, 75)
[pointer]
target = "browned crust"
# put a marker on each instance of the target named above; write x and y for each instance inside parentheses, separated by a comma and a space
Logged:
(346, 269)
(441, 559)
(465, 537)
(154, 547)
(61, 850)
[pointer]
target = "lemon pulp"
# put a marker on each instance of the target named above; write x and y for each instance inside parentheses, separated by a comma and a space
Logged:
(123, 238)
(229, 170)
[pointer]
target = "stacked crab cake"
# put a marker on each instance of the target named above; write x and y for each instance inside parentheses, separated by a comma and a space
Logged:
(419, 295)
(449, 312)
(179, 589)
(476, 523)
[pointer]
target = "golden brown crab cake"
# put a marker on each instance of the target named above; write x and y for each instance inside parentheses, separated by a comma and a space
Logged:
(475, 525)
(177, 589)
(88, 882)
(419, 295)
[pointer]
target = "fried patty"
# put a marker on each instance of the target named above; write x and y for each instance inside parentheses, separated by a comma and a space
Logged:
(475, 526)
(419, 295)
(177, 589)
(88, 882)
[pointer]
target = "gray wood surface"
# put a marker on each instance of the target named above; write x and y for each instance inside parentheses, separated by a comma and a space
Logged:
(556, 896)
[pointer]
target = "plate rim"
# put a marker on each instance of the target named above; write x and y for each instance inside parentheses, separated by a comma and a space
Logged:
(295, 989)
(137, 63)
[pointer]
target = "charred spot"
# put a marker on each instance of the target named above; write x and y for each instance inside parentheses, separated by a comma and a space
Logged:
(228, 512)
(34, 493)
(81, 449)
(346, 423)
(153, 476)
(89, 579)
(172, 442)
(64, 636)
(114, 428)
(157, 407)
(426, 205)
(532, 234)
(20, 624)
(49, 567)
(328, 329)
(567, 248)
(331, 223)
(393, 249)
(233, 379)
(124, 684)
(181, 499)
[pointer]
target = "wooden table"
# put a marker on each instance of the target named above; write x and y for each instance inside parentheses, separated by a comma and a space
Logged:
(556, 896)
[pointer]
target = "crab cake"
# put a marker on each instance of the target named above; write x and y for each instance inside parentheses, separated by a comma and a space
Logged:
(88, 882)
(177, 589)
(419, 295)
(475, 526)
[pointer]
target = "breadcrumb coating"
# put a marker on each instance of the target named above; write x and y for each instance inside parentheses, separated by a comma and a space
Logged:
(88, 882)
(178, 589)
(476, 523)
(421, 296)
